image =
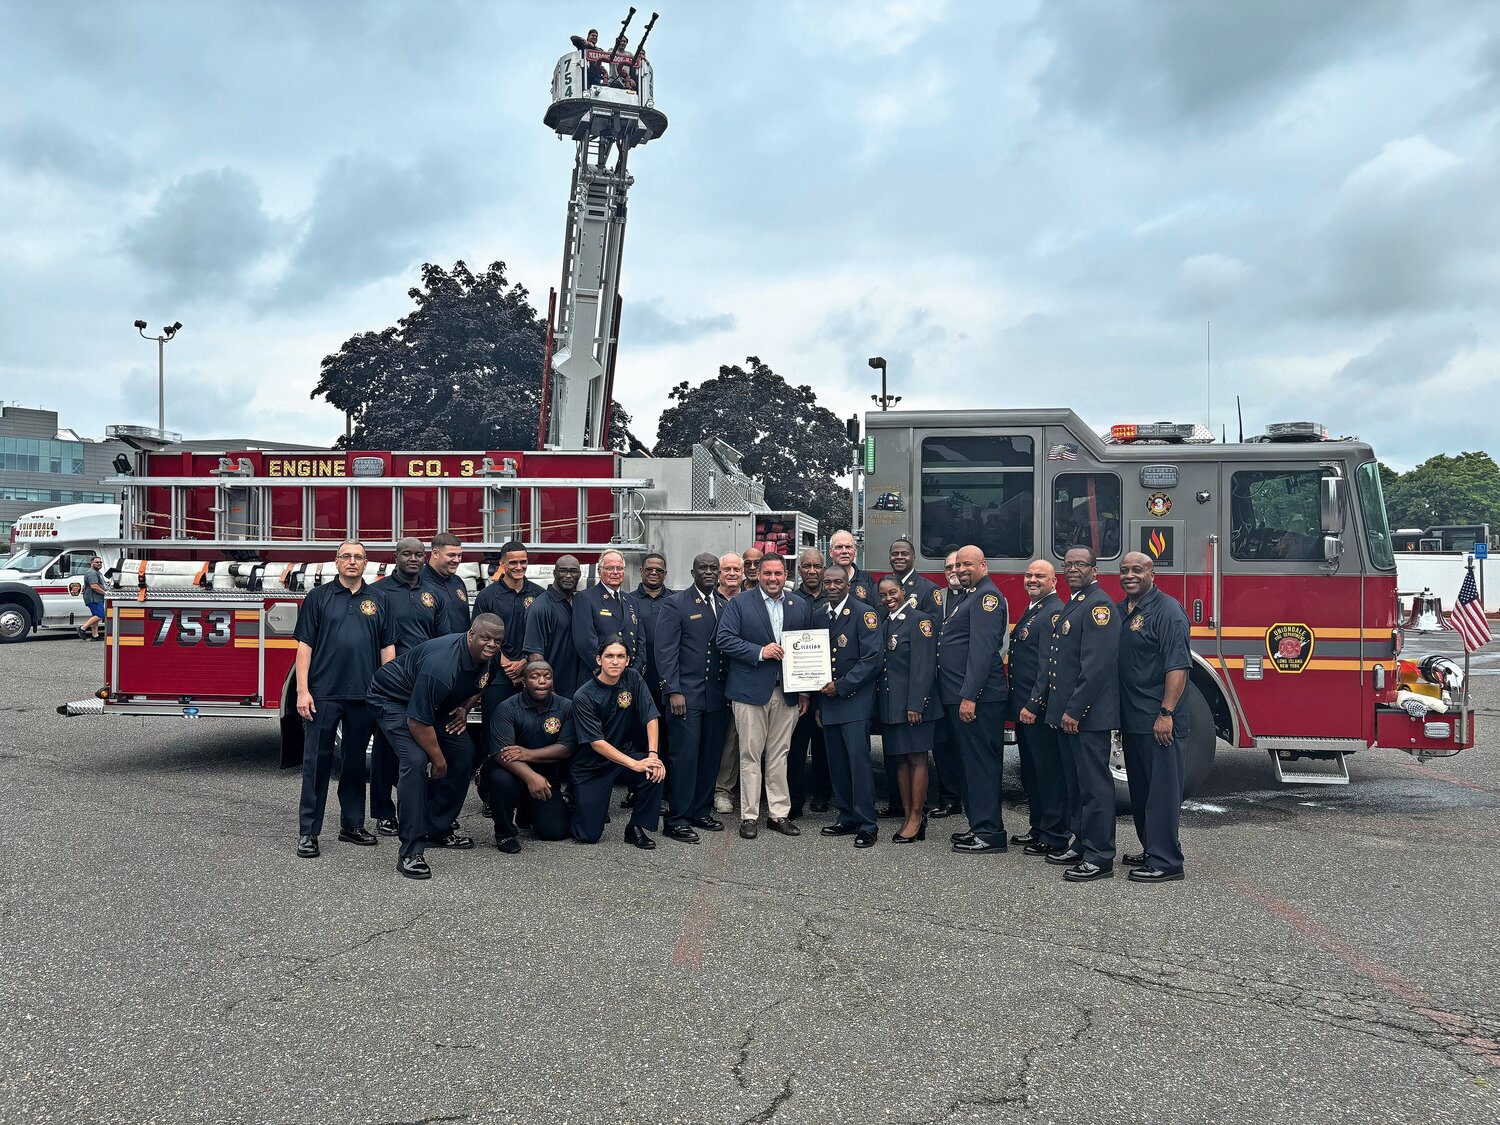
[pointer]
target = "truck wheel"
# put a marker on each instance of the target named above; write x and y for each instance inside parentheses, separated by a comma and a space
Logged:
(15, 623)
(1199, 751)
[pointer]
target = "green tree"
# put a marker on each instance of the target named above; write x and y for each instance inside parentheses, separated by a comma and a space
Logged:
(1444, 490)
(796, 447)
(461, 371)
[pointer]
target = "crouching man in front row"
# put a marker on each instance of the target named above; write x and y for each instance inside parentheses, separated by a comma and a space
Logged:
(530, 741)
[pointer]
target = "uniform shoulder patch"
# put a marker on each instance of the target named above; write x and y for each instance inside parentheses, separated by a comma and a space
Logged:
(990, 603)
(924, 627)
(871, 621)
(1101, 615)
(552, 724)
(368, 607)
(427, 599)
(624, 700)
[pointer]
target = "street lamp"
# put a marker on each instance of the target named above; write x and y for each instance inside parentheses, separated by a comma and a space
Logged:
(886, 401)
(167, 333)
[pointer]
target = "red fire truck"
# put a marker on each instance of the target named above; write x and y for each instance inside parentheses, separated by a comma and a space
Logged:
(1278, 548)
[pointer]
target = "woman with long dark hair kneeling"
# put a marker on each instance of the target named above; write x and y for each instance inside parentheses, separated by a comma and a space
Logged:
(605, 713)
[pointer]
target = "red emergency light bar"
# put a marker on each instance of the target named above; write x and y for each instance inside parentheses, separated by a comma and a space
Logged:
(1151, 431)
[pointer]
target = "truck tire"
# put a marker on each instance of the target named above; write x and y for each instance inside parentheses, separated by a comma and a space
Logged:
(15, 623)
(1199, 751)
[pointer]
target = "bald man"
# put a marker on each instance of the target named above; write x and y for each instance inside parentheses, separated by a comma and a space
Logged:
(1041, 762)
(972, 687)
(1154, 664)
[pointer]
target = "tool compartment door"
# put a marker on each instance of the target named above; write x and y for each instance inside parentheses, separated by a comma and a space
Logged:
(202, 651)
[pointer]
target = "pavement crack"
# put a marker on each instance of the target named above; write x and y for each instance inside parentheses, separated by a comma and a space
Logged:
(782, 1097)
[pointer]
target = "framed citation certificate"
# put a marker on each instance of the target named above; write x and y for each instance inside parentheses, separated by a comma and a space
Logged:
(808, 661)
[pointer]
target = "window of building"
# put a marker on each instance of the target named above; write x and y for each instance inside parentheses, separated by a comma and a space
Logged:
(35, 455)
(1086, 513)
(56, 496)
(978, 489)
(1274, 515)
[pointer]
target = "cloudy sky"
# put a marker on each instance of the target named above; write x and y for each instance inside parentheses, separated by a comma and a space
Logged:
(1017, 204)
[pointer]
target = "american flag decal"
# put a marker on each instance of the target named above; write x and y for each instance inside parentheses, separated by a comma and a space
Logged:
(1062, 451)
(1468, 615)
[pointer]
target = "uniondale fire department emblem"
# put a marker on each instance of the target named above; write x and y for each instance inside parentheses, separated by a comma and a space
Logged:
(552, 724)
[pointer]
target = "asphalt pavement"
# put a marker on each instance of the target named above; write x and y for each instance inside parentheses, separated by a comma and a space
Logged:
(167, 957)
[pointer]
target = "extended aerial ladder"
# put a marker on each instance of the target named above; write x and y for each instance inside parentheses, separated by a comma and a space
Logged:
(603, 101)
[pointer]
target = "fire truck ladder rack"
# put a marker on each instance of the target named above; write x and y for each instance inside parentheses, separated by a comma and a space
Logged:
(242, 511)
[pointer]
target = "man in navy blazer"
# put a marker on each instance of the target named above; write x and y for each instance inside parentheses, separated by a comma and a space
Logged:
(846, 705)
(750, 632)
(973, 690)
(692, 686)
(605, 609)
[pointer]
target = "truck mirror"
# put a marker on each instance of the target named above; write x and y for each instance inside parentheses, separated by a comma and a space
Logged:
(1331, 505)
(1333, 548)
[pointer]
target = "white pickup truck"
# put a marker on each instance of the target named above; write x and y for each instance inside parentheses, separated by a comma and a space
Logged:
(41, 583)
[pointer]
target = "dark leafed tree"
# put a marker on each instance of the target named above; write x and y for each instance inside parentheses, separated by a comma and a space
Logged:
(1444, 490)
(795, 446)
(461, 371)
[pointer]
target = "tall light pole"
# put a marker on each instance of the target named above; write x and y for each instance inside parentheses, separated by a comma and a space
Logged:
(886, 401)
(167, 333)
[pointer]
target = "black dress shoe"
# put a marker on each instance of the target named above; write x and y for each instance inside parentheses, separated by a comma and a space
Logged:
(1038, 848)
(837, 830)
(453, 841)
(817, 804)
(783, 824)
(307, 847)
(919, 834)
(946, 810)
(1152, 875)
(708, 824)
(975, 846)
(749, 829)
(680, 832)
(510, 845)
(1029, 838)
(960, 837)
(638, 837)
(1086, 872)
(361, 836)
(864, 839)
(414, 867)
(1067, 857)
(388, 827)
(1134, 859)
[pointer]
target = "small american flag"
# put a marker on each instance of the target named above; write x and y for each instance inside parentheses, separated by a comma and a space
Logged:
(1468, 615)
(1063, 451)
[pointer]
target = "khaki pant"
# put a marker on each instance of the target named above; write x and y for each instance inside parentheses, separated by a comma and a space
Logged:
(765, 735)
(729, 762)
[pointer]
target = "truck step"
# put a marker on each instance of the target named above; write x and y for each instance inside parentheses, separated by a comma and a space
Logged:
(1307, 765)
(93, 705)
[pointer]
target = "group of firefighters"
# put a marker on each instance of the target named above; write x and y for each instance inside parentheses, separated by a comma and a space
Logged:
(680, 695)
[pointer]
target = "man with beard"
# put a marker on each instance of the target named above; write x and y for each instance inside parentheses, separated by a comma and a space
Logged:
(549, 627)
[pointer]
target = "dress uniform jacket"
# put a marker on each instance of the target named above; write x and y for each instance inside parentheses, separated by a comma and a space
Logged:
(862, 586)
(1031, 653)
(855, 639)
(908, 678)
(1083, 676)
(687, 650)
(598, 612)
(745, 629)
(969, 665)
(925, 591)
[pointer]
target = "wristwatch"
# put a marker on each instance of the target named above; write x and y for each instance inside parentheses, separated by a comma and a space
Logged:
(1165, 712)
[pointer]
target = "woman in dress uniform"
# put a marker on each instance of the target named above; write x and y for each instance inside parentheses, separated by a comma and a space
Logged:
(908, 706)
(608, 713)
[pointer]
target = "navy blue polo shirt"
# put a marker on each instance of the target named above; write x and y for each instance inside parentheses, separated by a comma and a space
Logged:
(521, 721)
(413, 609)
(1153, 641)
(346, 631)
(549, 631)
(509, 606)
(431, 680)
(609, 713)
(453, 599)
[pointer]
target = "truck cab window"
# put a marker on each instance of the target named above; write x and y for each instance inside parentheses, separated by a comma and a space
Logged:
(979, 489)
(1086, 512)
(1274, 516)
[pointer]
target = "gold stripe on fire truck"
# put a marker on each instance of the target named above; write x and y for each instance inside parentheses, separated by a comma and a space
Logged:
(1320, 665)
(1257, 631)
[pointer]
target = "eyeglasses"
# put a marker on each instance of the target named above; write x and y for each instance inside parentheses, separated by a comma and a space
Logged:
(1078, 566)
(653, 570)
(350, 558)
